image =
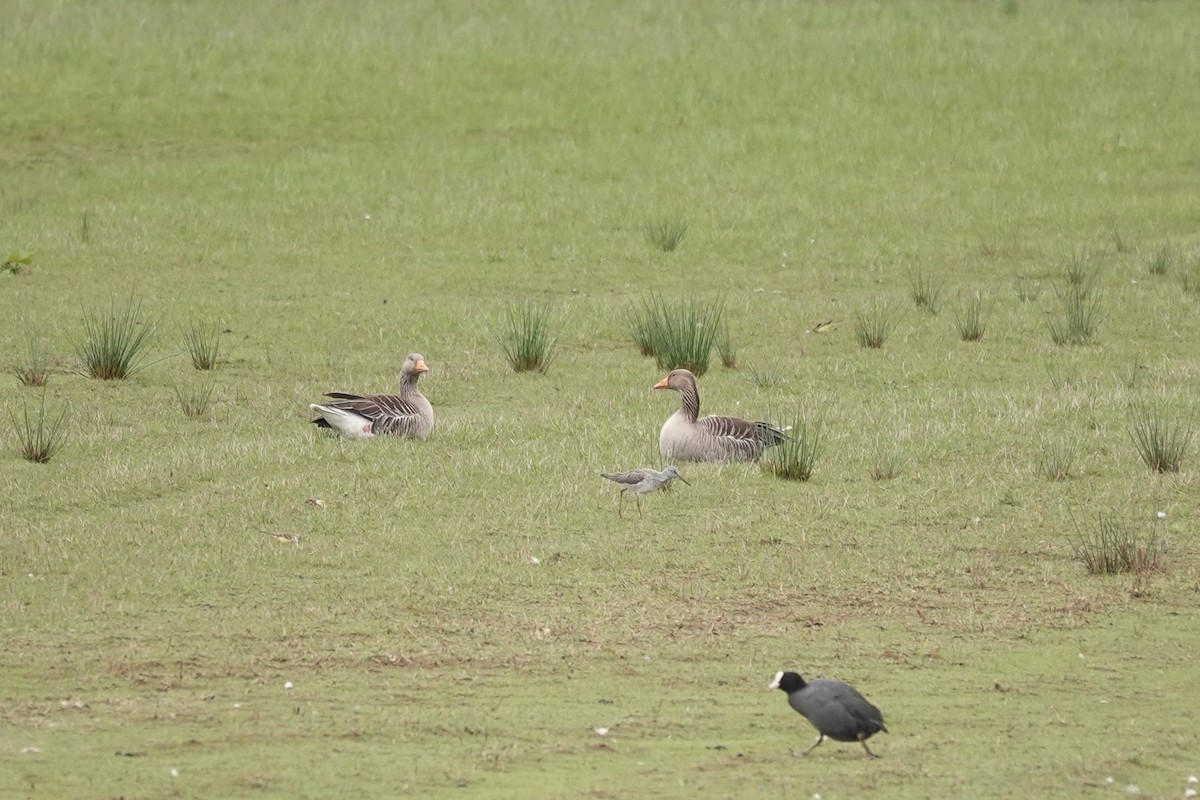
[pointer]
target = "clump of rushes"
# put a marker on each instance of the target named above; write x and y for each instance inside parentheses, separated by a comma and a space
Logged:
(1027, 289)
(195, 399)
(528, 337)
(203, 344)
(1120, 244)
(1082, 268)
(1078, 316)
(642, 320)
(726, 349)
(768, 377)
(665, 231)
(686, 333)
(888, 461)
(874, 323)
(924, 291)
(40, 435)
(1114, 546)
(972, 318)
(1161, 260)
(1057, 458)
(115, 343)
(35, 370)
(795, 458)
(1160, 438)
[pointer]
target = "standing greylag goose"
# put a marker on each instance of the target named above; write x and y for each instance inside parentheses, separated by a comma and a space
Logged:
(687, 437)
(405, 414)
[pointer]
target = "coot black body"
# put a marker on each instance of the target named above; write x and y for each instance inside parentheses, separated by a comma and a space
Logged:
(834, 708)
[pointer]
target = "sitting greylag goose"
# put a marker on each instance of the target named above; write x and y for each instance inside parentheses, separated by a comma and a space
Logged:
(405, 414)
(687, 437)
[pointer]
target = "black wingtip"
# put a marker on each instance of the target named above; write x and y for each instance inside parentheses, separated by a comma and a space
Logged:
(320, 422)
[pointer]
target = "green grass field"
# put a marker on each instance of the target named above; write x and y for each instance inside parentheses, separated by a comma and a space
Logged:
(337, 185)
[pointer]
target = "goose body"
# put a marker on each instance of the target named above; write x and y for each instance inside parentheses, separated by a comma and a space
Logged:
(407, 413)
(686, 436)
(834, 708)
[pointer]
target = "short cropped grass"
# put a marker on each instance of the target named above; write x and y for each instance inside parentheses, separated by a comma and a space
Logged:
(243, 606)
(116, 341)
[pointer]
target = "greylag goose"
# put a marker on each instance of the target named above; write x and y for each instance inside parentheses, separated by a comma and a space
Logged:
(640, 481)
(834, 708)
(688, 437)
(405, 414)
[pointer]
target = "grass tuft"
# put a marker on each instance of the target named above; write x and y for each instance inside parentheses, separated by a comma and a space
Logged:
(1161, 260)
(726, 349)
(1057, 458)
(1161, 439)
(924, 292)
(1114, 546)
(795, 458)
(1082, 268)
(767, 377)
(115, 343)
(1078, 315)
(1190, 274)
(684, 334)
(203, 344)
(35, 370)
(666, 231)
(874, 323)
(971, 319)
(1120, 243)
(642, 321)
(196, 399)
(528, 337)
(41, 437)
(1027, 289)
(887, 461)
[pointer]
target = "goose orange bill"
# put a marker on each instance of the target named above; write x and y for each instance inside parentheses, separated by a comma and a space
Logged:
(661, 384)
(420, 366)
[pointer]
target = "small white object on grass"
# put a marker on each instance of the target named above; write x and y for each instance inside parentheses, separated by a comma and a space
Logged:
(534, 560)
(1161, 515)
(1189, 792)
(288, 685)
(600, 731)
(174, 772)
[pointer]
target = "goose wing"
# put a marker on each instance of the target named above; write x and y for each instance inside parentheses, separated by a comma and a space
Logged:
(390, 414)
(740, 436)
